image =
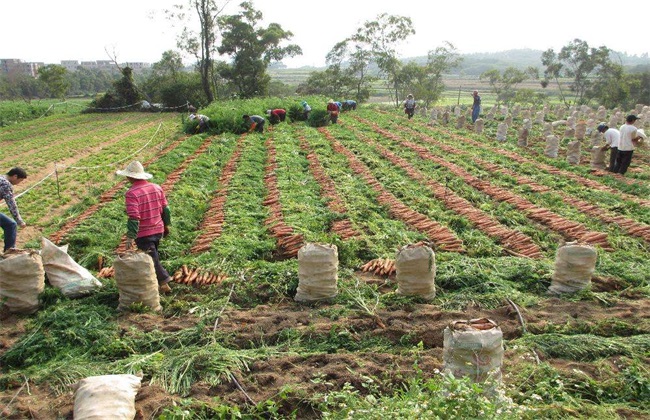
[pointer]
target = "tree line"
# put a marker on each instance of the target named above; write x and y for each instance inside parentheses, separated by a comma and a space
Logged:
(232, 55)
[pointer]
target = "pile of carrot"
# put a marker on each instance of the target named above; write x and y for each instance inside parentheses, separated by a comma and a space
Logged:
(379, 267)
(197, 276)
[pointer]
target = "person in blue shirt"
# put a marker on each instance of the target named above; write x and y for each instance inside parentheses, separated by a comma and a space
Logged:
(340, 105)
(476, 106)
(349, 105)
(306, 109)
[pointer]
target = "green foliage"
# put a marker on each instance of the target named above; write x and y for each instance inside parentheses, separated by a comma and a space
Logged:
(587, 346)
(57, 334)
(54, 78)
(295, 113)
(586, 67)
(440, 397)
(226, 116)
(124, 94)
(252, 50)
(13, 112)
(318, 118)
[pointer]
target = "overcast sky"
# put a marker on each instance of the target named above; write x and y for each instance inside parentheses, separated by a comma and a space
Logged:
(136, 30)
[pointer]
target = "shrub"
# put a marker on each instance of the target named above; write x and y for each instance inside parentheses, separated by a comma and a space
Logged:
(318, 118)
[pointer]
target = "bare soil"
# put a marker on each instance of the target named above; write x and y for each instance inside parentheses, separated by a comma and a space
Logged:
(320, 373)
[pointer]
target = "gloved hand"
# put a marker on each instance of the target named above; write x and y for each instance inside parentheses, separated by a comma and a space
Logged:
(128, 244)
(166, 232)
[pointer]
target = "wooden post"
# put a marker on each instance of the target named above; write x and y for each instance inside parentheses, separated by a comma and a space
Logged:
(56, 174)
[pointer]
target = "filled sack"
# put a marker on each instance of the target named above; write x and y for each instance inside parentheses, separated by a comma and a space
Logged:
(22, 279)
(106, 397)
(415, 266)
(317, 272)
(64, 273)
(136, 280)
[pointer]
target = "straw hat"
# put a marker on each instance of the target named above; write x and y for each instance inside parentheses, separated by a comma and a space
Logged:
(135, 170)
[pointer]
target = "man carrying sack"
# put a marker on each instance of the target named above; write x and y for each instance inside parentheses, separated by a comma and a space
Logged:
(149, 217)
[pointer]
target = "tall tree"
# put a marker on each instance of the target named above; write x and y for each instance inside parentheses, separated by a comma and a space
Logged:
(504, 84)
(202, 43)
(53, 77)
(439, 61)
(582, 65)
(382, 37)
(252, 49)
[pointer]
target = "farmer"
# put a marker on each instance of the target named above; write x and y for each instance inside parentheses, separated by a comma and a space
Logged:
(14, 177)
(476, 106)
(333, 111)
(276, 115)
(627, 144)
(255, 122)
(349, 105)
(409, 106)
(202, 119)
(612, 137)
(149, 217)
(306, 109)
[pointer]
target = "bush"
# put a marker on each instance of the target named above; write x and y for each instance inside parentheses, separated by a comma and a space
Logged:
(295, 113)
(318, 118)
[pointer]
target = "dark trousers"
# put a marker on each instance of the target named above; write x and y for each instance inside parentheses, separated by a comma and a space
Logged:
(149, 244)
(9, 227)
(260, 127)
(623, 161)
(613, 155)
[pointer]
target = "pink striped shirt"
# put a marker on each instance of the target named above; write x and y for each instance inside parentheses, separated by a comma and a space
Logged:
(145, 202)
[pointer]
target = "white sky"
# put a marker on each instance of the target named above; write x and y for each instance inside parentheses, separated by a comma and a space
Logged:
(53, 30)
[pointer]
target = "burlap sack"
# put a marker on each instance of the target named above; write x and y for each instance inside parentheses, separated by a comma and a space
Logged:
(474, 349)
(22, 279)
(317, 272)
(106, 397)
(416, 271)
(598, 158)
(64, 273)
(136, 280)
(574, 265)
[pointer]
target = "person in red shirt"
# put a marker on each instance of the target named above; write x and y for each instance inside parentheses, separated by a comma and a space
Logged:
(149, 217)
(276, 115)
(333, 111)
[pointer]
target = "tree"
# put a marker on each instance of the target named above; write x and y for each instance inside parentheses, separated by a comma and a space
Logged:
(19, 85)
(54, 79)
(169, 84)
(381, 36)
(582, 65)
(252, 49)
(350, 64)
(439, 61)
(201, 44)
(504, 84)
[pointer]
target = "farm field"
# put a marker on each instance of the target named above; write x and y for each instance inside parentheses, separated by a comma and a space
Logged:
(242, 205)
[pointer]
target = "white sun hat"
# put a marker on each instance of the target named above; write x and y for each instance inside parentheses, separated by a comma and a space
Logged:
(642, 133)
(135, 170)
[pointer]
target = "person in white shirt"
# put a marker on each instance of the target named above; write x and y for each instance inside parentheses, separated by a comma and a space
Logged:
(626, 145)
(612, 137)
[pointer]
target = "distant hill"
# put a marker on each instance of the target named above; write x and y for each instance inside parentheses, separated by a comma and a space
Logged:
(474, 64)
